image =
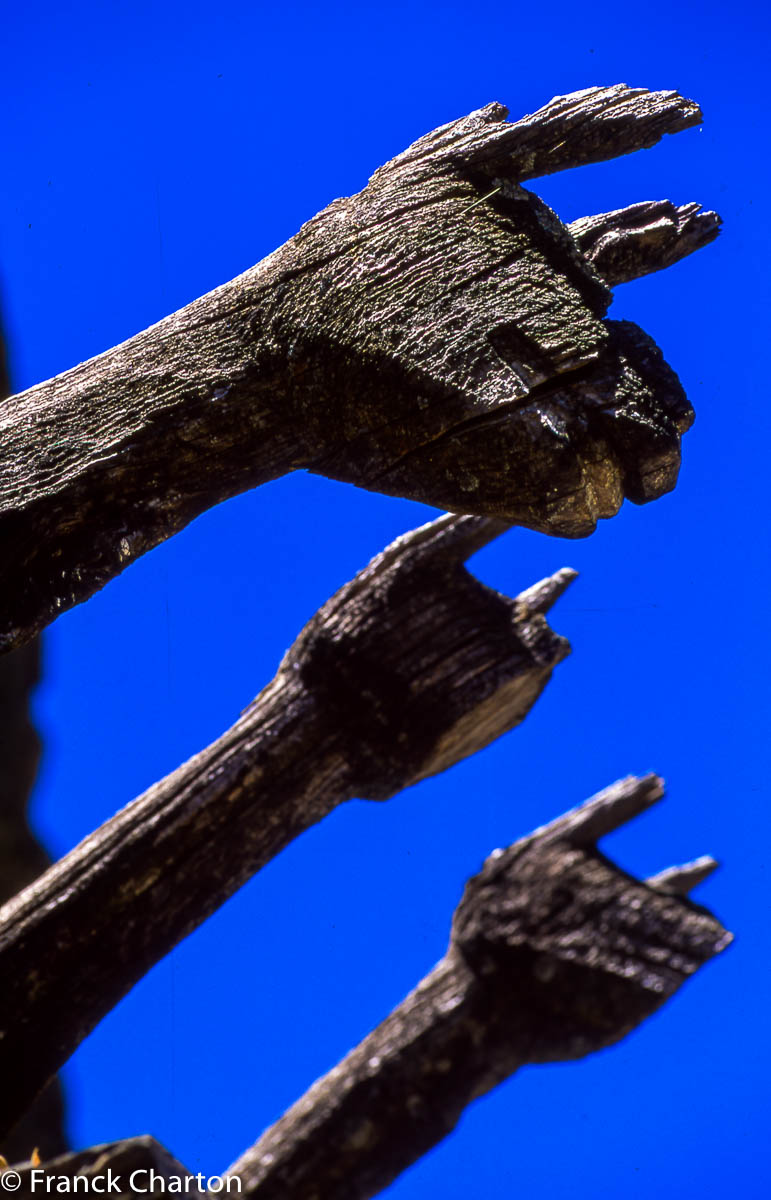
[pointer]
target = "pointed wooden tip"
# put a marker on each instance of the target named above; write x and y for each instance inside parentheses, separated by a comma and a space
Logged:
(680, 880)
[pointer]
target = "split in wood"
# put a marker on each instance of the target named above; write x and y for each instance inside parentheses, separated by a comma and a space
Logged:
(645, 237)
(409, 668)
(554, 953)
(409, 339)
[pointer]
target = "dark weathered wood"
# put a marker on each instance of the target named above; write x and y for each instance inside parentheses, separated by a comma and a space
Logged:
(407, 669)
(645, 237)
(555, 953)
(437, 336)
(22, 857)
(129, 1168)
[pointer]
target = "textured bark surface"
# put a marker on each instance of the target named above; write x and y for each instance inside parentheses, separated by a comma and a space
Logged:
(22, 857)
(410, 667)
(438, 336)
(554, 953)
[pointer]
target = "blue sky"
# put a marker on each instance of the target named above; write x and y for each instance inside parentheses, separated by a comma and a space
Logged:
(153, 152)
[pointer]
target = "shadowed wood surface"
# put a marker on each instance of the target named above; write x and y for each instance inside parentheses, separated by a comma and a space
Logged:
(22, 857)
(555, 953)
(139, 1160)
(438, 336)
(410, 667)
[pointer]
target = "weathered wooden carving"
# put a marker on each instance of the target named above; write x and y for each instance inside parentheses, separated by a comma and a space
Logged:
(440, 335)
(410, 667)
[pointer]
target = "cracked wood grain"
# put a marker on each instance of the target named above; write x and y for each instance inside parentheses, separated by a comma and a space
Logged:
(555, 953)
(439, 336)
(410, 667)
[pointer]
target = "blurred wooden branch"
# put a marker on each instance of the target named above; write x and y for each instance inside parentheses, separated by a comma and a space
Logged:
(22, 857)
(438, 336)
(410, 667)
(153, 1169)
(554, 954)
